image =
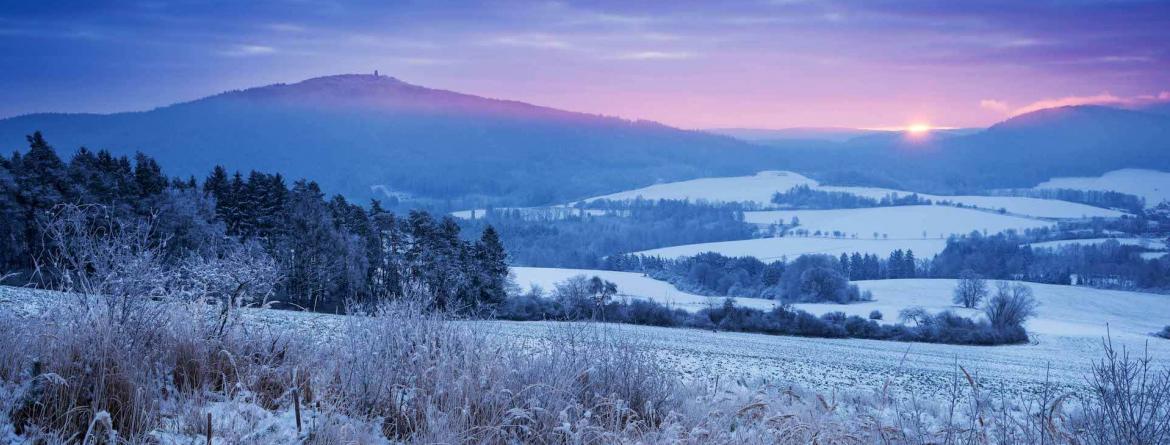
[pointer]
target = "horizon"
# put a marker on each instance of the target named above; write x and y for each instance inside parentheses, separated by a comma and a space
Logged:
(771, 65)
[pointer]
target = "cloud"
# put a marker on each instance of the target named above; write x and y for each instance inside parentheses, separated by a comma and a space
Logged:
(655, 55)
(546, 41)
(285, 27)
(248, 51)
(1098, 99)
(994, 105)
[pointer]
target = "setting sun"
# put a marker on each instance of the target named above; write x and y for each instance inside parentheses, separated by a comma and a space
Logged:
(918, 128)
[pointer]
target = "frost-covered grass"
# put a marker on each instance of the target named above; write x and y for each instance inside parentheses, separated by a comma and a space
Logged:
(900, 222)
(760, 187)
(790, 247)
(1152, 185)
(398, 375)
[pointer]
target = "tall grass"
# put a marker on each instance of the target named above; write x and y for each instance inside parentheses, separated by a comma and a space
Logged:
(398, 374)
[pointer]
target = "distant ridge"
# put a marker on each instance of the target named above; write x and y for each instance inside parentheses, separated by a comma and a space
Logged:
(370, 136)
(362, 134)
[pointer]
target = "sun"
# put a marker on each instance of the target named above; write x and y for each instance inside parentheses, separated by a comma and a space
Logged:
(918, 128)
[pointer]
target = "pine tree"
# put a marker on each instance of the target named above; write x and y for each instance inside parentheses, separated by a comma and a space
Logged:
(492, 270)
(909, 265)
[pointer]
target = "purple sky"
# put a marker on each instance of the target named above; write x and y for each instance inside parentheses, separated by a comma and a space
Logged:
(766, 64)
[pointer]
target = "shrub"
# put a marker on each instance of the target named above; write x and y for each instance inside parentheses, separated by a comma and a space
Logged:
(1130, 400)
(1011, 306)
(1164, 333)
(875, 315)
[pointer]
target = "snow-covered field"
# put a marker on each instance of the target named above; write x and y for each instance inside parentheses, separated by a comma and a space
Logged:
(1067, 338)
(630, 285)
(760, 187)
(1072, 311)
(1152, 185)
(790, 247)
(1151, 244)
(898, 222)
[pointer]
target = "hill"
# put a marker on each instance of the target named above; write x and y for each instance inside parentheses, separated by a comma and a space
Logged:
(376, 136)
(358, 134)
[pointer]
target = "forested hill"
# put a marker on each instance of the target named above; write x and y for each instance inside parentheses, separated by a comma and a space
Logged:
(355, 132)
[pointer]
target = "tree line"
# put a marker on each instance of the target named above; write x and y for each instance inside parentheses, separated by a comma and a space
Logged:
(807, 198)
(330, 253)
(582, 298)
(714, 274)
(583, 240)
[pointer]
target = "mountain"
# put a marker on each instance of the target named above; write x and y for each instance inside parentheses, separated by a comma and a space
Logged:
(375, 136)
(368, 136)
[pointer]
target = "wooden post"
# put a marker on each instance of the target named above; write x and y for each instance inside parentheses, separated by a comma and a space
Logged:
(296, 395)
(209, 428)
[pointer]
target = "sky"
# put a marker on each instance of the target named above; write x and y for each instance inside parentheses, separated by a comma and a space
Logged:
(692, 64)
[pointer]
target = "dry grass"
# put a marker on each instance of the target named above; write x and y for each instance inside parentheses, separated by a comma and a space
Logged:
(401, 375)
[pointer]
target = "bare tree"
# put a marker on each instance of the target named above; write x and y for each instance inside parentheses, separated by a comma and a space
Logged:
(102, 259)
(1011, 306)
(971, 290)
(243, 275)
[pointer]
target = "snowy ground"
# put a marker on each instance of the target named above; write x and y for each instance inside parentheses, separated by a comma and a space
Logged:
(1067, 338)
(760, 187)
(630, 285)
(1152, 185)
(899, 222)
(1148, 243)
(790, 247)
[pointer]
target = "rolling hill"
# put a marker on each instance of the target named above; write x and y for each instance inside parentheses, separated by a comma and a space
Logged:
(375, 136)
(355, 134)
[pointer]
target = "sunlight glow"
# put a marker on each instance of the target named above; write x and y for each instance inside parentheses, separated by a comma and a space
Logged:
(919, 128)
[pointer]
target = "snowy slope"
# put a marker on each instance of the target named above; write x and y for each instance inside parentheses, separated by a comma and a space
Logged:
(630, 285)
(1064, 310)
(790, 247)
(759, 189)
(1151, 244)
(899, 222)
(1152, 185)
(1067, 336)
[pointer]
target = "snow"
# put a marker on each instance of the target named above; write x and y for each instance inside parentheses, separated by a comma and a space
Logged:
(1148, 243)
(759, 188)
(790, 247)
(1153, 185)
(630, 285)
(903, 222)
(1064, 310)
(1067, 336)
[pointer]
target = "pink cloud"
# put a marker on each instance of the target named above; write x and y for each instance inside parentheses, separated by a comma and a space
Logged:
(998, 106)
(1099, 99)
